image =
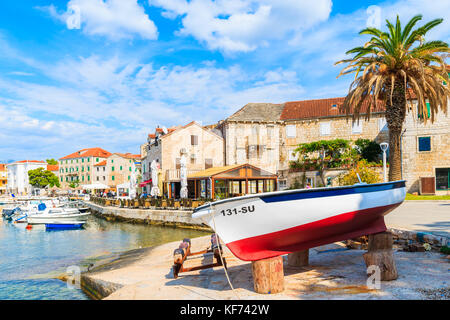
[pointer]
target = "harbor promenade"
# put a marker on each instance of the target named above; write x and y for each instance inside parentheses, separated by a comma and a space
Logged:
(334, 270)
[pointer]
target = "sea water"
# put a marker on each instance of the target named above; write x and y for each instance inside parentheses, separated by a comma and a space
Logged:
(30, 258)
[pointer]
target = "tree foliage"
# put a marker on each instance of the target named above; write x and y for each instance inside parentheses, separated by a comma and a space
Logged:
(368, 149)
(392, 68)
(324, 154)
(41, 178)
(51, 161)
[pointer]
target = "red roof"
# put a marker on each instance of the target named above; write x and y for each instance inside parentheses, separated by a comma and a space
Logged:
(101, 163)
(31, 161)
(320, 108)
(2, 167)
(152, 135)
(129, 155)
(89, 152)
(52, 167)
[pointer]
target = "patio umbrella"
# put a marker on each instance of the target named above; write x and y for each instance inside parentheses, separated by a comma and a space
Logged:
(155, 190)
(133, 181)
(183, 177)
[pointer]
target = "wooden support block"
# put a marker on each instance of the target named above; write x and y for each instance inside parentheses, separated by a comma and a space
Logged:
(299, 258)
(380, 241)
(380, 254)
(268, 275)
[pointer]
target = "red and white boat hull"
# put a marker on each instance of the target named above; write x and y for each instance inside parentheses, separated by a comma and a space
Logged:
(265, 225)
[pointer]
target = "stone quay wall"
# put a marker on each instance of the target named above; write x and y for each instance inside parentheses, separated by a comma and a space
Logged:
(163, 217)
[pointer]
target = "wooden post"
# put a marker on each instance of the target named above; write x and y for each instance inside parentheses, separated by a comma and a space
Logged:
(268, 275)
(380, 254)
(299, 258)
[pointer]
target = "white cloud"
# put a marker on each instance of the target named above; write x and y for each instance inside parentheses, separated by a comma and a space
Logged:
(114, 19)
(244, 25)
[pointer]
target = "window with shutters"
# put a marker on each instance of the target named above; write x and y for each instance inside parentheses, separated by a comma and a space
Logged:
(325, 128)
(291, 131)
(194, 140)
(424, 144)
(357, 127)
(208, 163)
(177, 163)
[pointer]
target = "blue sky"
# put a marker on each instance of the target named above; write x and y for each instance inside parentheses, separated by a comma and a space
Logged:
(124, 67)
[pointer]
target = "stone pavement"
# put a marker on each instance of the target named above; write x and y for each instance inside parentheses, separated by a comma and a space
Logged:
(421, 216)
(334, 273)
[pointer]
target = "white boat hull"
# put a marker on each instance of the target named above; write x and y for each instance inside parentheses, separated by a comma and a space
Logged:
(265, 225)
(48, 218)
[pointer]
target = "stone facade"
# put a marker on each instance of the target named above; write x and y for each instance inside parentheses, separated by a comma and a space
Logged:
(202, 147)
(418, 163)
(253, 135)
(119, 168)
(294, 132)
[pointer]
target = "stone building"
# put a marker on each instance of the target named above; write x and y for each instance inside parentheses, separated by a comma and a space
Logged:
(202, 147)
(323, 119)
(253, 135)
(118, 168)
(100, 175)
(79, 166)
(426, 153)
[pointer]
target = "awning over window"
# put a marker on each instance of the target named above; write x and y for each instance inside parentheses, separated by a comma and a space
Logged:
(143, 184)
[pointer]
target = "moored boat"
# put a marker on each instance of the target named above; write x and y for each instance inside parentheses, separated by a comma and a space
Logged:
(64, 225)
(57, 214)
(265, 225)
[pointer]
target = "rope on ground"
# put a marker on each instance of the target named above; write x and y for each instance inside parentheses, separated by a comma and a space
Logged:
(220, 251)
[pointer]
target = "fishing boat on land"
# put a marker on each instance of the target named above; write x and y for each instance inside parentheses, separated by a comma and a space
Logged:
(266, 225)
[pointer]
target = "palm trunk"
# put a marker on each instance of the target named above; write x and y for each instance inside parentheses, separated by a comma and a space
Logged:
(395, 116)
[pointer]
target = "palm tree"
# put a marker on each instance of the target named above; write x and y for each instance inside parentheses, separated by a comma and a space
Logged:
(393, 68)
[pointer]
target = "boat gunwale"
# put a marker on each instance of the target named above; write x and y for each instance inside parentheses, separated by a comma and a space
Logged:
(282, 192)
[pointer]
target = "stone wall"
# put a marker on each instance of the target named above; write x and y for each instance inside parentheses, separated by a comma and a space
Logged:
(174, 218)
(415, 163)
(256, 143)
(209, 146)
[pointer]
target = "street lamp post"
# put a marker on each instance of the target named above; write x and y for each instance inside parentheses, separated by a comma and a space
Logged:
(384, 146)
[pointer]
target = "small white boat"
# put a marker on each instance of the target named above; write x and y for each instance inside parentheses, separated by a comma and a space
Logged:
(266, 225)
(57, 214)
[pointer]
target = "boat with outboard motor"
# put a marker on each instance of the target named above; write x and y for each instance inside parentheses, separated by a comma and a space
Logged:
(266, 225)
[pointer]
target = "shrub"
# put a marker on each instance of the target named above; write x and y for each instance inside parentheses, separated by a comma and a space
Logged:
(366, 174)
(368, 149)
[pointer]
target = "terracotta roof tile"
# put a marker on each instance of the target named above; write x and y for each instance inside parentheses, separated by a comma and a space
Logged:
(310, 109)
(101, 163)
(52, 167)
(89, 152)
(129, 155)
(30, 161)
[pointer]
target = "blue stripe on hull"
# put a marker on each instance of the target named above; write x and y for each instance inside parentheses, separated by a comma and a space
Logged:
(311, 193)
